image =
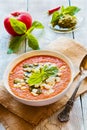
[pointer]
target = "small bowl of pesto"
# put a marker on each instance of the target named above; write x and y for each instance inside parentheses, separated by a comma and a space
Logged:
(65, 19)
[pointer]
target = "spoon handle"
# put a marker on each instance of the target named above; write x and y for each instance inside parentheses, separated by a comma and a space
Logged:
(64, 115)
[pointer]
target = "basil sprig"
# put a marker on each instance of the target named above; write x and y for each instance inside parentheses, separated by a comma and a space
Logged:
(42, 74)
(20, 28)
(71, 10)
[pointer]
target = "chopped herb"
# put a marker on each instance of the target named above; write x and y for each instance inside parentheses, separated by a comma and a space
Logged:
(39, 91)
(17, 81)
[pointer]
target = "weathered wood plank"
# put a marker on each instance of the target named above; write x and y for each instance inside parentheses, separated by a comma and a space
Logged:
(6, 7)
(84, 107)
(81, 33)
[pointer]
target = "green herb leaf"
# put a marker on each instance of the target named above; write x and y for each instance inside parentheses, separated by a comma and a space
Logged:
(35, 25)
(62, 9)
(50, 70)
(32, 42)
(42, 74)
(71, 10)
(15, 43)
(18, 26)
(55, 18)
(35, 78)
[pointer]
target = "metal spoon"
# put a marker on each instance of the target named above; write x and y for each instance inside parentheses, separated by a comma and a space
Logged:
(64, 115)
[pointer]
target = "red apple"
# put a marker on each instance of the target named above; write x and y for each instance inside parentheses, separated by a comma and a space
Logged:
(21, 16)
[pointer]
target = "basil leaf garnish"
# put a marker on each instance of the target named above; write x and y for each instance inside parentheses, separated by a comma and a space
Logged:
(42, 74)
(18, 26)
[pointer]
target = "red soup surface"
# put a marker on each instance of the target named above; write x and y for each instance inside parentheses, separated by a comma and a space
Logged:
(19, 76)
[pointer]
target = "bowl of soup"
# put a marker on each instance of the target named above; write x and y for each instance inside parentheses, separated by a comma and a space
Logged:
(39, 78)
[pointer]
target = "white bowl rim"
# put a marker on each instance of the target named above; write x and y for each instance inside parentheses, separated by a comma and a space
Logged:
(59, 54)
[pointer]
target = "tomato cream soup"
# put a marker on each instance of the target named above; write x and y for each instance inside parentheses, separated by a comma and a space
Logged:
(39, 77)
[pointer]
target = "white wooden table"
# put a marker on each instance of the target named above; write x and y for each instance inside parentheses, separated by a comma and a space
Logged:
(38, 9)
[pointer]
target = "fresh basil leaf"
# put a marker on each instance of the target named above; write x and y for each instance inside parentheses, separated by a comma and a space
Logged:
(50, 70)
(18, 26)
(37, 25)
(62, 9)
(71, 10)
(55, 18)
(15, 43)
(33, 42)
(35, 78)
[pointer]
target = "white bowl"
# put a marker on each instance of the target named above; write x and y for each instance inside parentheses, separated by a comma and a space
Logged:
(38, 102)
